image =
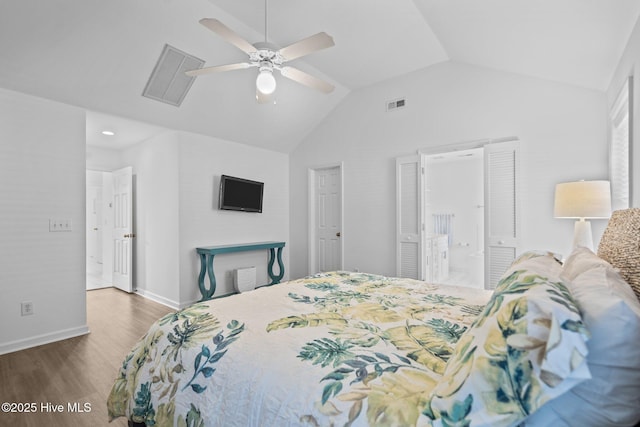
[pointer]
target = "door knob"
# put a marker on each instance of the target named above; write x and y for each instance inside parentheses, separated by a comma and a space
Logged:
(338, 234)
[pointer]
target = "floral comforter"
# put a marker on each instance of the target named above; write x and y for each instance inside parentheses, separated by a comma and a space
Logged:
(331, 349)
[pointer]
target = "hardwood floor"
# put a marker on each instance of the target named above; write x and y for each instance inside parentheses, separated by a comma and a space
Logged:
(79, 370)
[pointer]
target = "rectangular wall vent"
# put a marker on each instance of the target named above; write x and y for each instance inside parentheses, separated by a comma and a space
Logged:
(396, 104)
(168, 82)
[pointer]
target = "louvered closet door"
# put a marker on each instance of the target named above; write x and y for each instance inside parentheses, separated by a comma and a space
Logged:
(501, 214)
(408, 220)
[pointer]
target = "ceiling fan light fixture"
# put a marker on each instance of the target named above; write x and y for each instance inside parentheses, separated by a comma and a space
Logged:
(265, 82)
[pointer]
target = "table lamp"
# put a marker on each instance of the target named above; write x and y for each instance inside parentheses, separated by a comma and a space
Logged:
(583, 200)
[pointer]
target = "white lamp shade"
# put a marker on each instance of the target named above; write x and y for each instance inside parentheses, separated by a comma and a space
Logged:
(265, 82)
(583, 199)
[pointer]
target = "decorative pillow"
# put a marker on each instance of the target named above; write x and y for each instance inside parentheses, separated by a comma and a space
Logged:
(542, 262)
(611, 312)
(620, 245)
(580, 261)
(527, 347)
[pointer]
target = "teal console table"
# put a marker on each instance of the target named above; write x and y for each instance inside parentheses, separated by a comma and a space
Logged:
(206, 262)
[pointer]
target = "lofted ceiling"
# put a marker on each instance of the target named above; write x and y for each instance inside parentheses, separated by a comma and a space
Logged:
(99, 54)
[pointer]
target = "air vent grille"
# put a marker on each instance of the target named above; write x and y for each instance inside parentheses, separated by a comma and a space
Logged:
(396, 104)
(168, 82)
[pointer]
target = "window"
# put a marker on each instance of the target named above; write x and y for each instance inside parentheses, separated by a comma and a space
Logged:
(620, 147)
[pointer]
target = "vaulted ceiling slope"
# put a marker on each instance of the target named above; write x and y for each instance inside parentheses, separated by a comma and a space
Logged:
(99, 54)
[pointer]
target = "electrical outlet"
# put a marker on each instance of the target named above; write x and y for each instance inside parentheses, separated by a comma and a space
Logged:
(60, 225)
(26, 308)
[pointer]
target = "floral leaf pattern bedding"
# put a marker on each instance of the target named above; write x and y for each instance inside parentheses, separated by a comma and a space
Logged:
(331, 349)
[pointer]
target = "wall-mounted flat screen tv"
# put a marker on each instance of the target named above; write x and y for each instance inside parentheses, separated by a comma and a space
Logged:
(238, 194)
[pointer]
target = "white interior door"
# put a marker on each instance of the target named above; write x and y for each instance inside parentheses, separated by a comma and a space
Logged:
(502, 225)
(123, 229)
(409, 221)
(328, 220)
(92, 228)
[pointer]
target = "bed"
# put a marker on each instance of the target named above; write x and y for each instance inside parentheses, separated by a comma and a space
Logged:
(553, 344)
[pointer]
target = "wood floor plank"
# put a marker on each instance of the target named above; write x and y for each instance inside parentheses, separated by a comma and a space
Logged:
(78, 370)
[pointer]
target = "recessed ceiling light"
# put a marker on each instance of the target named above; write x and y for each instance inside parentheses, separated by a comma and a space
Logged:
(108, 133)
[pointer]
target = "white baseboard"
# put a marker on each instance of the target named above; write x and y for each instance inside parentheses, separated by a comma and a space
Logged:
(159, 299)
(187, 304)
(37, 340)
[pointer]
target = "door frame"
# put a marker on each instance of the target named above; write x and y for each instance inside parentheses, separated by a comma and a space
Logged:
(312, 265)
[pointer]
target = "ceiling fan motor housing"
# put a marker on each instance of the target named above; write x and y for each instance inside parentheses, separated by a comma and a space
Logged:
(266, 53)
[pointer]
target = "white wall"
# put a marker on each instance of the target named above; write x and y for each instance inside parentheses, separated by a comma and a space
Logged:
(202, 161)
(629, 65)
(156, 262)
(42, 177)
(562, 129)
(176, 178)
(103, 159)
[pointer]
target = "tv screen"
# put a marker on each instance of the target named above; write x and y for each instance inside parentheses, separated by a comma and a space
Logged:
(238, 194)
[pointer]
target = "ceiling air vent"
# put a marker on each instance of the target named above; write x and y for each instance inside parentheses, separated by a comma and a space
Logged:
(168, 82)
(395, 104)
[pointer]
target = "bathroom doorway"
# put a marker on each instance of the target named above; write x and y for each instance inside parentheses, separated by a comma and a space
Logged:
(434, 241)
(454, 217)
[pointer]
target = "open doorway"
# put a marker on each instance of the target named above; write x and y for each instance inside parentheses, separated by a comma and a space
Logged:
(424, 240)
(454, 217)
(99, 222)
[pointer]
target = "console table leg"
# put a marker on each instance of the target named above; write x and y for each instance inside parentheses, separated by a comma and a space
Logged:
(281, 265)
(272, 255)
(272, 258)
(206, 266)
(203, 272)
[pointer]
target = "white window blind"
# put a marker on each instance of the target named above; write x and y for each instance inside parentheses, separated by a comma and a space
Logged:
(619, 156)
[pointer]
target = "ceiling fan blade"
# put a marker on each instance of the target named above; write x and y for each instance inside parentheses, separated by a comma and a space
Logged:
(228, 34)
(217, 69)
(306, 46)
(306, 79)
(263, 99)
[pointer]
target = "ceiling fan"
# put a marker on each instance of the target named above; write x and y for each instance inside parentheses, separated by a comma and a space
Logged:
(267, 58)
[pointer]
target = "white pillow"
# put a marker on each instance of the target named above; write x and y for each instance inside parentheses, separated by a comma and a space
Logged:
(579, 261)
(611, 312)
